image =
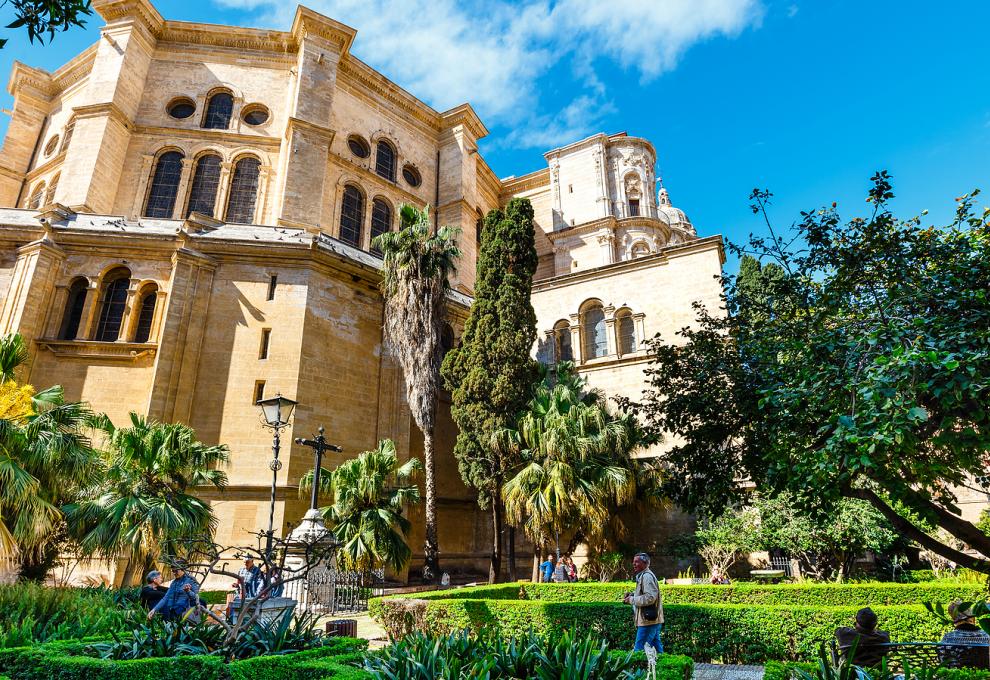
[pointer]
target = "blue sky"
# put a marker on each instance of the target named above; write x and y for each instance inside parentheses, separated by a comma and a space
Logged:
(807, 99)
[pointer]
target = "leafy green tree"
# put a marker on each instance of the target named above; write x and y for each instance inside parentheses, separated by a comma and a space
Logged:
(415, 283)
(724, 539)
(866, 378)
(491, 373)
(45, 458)
(41, 17)
(369, 494)
(142, 507)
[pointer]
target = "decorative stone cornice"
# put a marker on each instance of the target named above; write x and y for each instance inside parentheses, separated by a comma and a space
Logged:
(32, 81)
(91, 349)
(307, 23)
(539, 179)
(75, 70)
(142, 11)
(599, 138)
(464, 115)
(198, 222)
(106, 109)
(319, 130)
(362, 77)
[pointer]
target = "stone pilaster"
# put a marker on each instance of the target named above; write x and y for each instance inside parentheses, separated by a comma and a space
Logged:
(32, 90)
(32, 287)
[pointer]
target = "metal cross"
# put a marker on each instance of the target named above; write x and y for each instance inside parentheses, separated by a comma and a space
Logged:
(319, 446)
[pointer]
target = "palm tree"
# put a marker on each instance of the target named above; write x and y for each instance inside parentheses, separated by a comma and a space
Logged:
(368, 501)
(415, 284)
(44, 459)
(141, 507)
(576, 464)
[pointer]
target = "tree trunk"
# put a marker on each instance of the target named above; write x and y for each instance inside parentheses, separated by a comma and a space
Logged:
(128, 576)
(512, 555)
(537, 552)
(431, 567)
(495, 568)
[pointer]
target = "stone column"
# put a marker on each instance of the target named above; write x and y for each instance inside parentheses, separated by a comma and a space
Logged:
(264, 185)
(87, 324)
(611, 340)
(577, 346)
(179, 209)
(639, 325)
(137, 209)
(223, 189)
(607, 242)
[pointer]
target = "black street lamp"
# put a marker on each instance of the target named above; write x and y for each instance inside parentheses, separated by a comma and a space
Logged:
(276, 412)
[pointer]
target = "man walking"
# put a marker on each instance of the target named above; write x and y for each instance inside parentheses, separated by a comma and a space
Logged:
(181, 596)
(646, 604)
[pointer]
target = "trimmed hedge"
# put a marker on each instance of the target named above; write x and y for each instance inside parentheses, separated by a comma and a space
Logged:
(778, 670)
(817, 594)
(728, 633)
(669, 666)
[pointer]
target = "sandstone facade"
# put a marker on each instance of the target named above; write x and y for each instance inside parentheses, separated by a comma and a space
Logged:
(188, 213)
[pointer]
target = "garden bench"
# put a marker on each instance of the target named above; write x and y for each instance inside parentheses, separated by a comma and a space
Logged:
(927, 654)
(771, 575)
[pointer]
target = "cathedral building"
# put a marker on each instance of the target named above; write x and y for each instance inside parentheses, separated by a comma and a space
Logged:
(186, 225)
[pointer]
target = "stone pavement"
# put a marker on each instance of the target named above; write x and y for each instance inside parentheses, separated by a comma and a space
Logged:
(713, 671)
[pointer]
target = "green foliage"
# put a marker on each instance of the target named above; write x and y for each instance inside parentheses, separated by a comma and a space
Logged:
(370, 495)
(31, 613)
(785, 670)
(860, 371)
(721, 541)
(983, 524)
(41, 17)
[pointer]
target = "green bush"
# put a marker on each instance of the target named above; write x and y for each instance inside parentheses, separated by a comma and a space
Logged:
(783, 670)
(32, 613)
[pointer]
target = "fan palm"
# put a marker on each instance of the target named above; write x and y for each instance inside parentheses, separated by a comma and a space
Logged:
(576, 464)
(44, 459)
(142, 507)
(415, 283)
(369, 495)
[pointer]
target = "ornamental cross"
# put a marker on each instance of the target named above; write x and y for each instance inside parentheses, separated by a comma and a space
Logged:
(319, 445)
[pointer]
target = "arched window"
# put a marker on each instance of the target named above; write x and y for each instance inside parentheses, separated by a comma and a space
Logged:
(446, 340)
(385, 161)
(593, 326)
(626, 331)
(164, 185)
(562, 341)
(206, 181)
(146, 315)
(351, 215)
(218, 111)
(52, 186)
(640, 249)
(74, 305)
(243, 191)
(381, 220)
(37, 196)
(67, 135)
(112, 305)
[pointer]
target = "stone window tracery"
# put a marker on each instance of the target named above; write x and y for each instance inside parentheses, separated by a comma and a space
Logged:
(626, 331)
(243, 191)
(52, 186)
(595, 340)
(219, 110)
(351, 215)
(164, 185)
(67, 135)
(146, 315)
(113, 303)
(37, 196)
(381, 220)
(74, 305)
(205, 183)
(385, 160)
(562, 341)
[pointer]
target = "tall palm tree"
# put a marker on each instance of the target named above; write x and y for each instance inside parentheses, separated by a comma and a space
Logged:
(576, 464)
(44, 458)
(415, 283)
(141, 507)
(369, 494)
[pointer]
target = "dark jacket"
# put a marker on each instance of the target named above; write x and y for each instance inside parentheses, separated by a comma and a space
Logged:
(151, 595)
(965, 646)
(867, 652)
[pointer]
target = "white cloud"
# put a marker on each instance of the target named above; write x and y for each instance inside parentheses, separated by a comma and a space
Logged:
(494, 54)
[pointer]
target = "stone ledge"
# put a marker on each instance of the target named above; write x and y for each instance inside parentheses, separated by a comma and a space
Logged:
(92, 349)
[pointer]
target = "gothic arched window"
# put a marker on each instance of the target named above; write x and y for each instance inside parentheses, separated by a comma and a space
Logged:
(52, 186)
(146, 314)
(351, 216)
(626, 332)
(206, 181)
(385, 161)
(74, 305)
(37, 196)
(593, 327)
(243, 191)
(218, 111)
(381, 220)
(562, 341)
(67, 135)
(164, 185)
(113, 302)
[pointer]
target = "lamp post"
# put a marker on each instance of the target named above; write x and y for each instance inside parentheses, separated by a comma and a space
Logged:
(276, 412)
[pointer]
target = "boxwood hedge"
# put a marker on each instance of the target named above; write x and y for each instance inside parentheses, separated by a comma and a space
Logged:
(783, 670)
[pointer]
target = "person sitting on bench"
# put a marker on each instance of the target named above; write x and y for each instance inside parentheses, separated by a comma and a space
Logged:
(867, 638)
(966, 645)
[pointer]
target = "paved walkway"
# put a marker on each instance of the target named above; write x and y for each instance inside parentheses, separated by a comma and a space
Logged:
(713, 671)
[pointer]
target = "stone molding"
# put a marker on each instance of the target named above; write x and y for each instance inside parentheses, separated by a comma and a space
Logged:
(92, 349)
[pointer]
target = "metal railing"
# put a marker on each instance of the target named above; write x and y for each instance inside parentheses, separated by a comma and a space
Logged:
(332, 592)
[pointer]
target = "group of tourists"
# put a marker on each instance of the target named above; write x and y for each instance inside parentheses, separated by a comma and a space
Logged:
(561, 570)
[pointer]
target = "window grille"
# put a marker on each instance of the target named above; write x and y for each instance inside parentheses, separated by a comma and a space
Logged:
(351, 216)
(112, 309)
(385, 161)
(164, 185)
(146, 317)
(206, 181)
(595, 341)
(37, 196)
(74, 306)
(381, 220)
(243, 191)
(218, 111)
(627, 333)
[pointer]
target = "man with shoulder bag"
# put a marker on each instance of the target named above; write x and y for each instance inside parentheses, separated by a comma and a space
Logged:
(647, 605)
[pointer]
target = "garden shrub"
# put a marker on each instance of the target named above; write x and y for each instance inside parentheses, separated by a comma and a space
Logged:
(31, 613)
(783, 670)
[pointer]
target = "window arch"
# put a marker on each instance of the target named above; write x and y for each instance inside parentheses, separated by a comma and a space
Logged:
(75, 303)
(626, 330)
(446, 340)
(381, 219)
(351, 215)
(385, 160)
(206, 181)
(164, 185)
(562, 341)
(67, 135)
(113, 303)
(37, 196)
(639, 249)
(219, 109)
(243, 190)
(593, 327)
(52, 186)
(146, 313)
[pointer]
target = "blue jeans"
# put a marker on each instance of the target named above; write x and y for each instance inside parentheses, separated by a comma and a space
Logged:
(649, 635)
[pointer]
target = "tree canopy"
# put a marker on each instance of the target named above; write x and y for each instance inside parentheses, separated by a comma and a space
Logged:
(858, 367)
(46, 17)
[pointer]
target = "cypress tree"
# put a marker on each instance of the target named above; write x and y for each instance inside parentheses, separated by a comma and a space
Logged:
(491, 374)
